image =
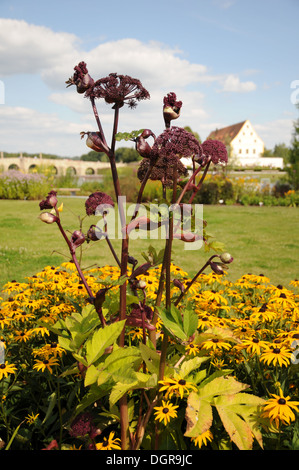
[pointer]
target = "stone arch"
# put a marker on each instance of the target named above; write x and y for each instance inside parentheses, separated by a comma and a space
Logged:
(32, 168)
(13, 166)
(90, 171)
(53, 169)
(71, 171)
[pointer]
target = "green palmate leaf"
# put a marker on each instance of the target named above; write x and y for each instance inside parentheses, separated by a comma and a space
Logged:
(101, 339)
(199, 409)
(236, 410)
(199, 415)
(220, 386)
(238, 414)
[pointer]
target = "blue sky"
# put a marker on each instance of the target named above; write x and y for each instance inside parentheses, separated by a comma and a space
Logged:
(227, 60)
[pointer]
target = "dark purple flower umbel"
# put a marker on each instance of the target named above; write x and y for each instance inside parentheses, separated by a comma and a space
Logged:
(81, 78)
(119, 89)
(171, 108)
(49, 202)
(169, 147)
(216, 150)
(176, 142)
(98, 201)
(82, 425)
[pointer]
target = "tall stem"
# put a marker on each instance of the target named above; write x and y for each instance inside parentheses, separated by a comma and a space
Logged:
(167, 257)
(123, 406)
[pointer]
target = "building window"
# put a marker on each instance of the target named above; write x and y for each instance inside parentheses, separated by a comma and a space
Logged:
(240, 150)
(247, 151)
(253, 151)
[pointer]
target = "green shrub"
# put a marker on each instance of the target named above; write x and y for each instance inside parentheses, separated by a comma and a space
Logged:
(17, 185)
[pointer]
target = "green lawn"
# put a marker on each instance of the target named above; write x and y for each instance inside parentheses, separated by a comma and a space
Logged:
(261, 240)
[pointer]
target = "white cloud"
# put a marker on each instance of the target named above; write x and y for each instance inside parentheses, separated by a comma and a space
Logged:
(275, 132)
(25, 129)
(27, 48)
(232, 83)
(153, 63)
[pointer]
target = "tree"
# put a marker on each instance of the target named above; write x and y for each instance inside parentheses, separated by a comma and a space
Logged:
(93, 156)
(127, 155)
(196, 135)
(282, 151)
(293, 165)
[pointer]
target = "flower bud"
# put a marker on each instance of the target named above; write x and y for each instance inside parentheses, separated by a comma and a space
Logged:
(142, 147)
(171, 108)
(81, 78)
(95, 142)
(49, 202)
(77, 238)
(141, 285)
(48, 218)
(217, 268)
(94, 234)
(226, 258)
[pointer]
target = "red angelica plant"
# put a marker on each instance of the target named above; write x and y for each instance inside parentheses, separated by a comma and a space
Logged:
(131, 377)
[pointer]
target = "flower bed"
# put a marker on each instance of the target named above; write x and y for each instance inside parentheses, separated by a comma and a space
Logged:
(246, 332)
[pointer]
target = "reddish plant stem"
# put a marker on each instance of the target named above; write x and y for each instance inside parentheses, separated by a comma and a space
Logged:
(79, 270)
(194, 279)
(123, 405)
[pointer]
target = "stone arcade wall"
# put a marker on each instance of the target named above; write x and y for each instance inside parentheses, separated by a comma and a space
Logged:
(61, 165)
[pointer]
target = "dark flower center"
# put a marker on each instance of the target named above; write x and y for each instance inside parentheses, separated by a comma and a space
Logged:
(182, 382)
(281, 401)
(105, 443)
(165, 410)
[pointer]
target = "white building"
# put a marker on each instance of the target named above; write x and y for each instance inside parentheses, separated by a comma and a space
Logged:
(246, 147)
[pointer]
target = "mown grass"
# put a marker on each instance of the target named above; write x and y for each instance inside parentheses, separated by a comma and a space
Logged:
(261, 240)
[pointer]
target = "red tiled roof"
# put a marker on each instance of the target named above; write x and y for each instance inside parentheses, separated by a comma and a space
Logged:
(226, 134)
